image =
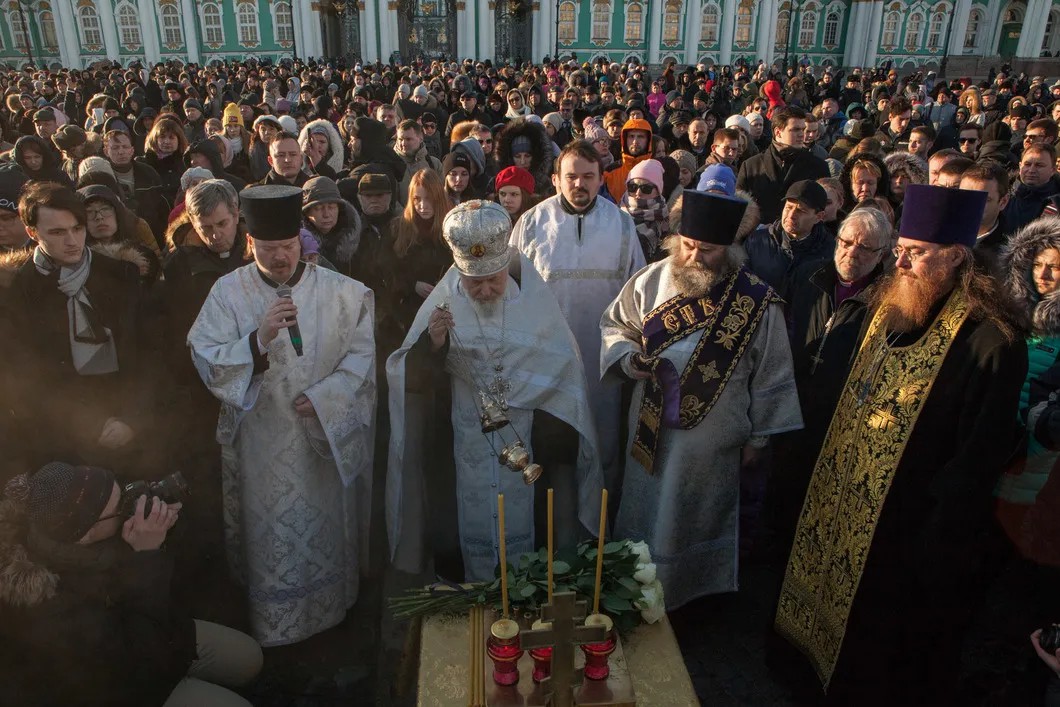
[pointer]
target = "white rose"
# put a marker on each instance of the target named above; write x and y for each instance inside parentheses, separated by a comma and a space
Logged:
(641, 551)
(645, 574)
(651, 604)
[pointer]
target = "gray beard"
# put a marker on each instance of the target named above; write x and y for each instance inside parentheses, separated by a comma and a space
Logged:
(486, 309)
(693, 281)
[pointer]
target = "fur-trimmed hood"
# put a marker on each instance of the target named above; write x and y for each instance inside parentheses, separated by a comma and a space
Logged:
(10, 263)
(883, 186)
(752, 216)
(344, 239)
(540, 148)
(337, 153)
(908, 163)
(129, 252)
(23, 581)
(1042, 315)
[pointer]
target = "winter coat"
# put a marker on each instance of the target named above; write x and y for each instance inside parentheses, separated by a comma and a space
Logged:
(148, 200)
(615, 178)
(209, 150)
(341, 244)
(89, 625)
(336, 150)
(541, 157)
(131, 228)
(774, 256)
(1027, 203)
(414, 163)
(169, 171)
(50, 171)
(374, 148)
(768, 175)
(258, 159)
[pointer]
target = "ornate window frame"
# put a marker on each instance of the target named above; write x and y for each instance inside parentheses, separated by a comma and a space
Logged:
(287, 24)
(249, 34)
(568, 27)
(214, 43)
(601, 10)
(629, 24)
(673, 21)
(710, 9)
(168, 9)
(130, 36)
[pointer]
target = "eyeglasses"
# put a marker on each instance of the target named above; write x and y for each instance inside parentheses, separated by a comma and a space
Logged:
(430, 126)
(640, 188)
(100, 213)
(858, 248)
(1034, 138)
(486, 141)
(967, 140)
(913, 254)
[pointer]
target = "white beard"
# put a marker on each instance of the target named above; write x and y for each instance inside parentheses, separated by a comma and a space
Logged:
(693, 281)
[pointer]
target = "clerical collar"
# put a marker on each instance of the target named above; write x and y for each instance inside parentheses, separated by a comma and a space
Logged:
(291, 282)
(569, 208)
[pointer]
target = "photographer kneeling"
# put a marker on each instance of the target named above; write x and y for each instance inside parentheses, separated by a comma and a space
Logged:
(85, 611)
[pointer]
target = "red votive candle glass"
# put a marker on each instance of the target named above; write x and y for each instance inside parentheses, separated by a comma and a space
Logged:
(596, 665)
(542, 656)
(503, 649)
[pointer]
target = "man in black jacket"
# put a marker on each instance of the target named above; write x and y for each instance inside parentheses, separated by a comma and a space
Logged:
(767, 176)
(81, 559)
(285, 159)
(896, 130)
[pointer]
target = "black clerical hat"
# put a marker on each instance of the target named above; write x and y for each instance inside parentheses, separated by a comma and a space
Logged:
(711, 218)
(272, 212)
(939, 215)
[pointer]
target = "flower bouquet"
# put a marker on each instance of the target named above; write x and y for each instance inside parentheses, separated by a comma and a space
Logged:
(629, 590)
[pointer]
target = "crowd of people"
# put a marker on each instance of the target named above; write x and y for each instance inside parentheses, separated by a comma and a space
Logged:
(804, 315)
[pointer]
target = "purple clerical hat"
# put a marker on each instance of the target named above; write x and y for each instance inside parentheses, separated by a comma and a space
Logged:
(941, 215)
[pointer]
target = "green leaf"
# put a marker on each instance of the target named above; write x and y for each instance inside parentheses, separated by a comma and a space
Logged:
(527, 590)
(630, 584)
(614, 604)
(614, 547)
(560, 567)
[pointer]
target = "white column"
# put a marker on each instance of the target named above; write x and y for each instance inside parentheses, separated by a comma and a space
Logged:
(767, 31)
(993, 28)
(655, 12)
(110, 30)
(318, 31)
(728, 24)
(1033, 31)
(369, 46)
(960, 27)
(693, 26)
(873, 43)
(191, 34)
(69, 46)
(488, 10)
(395, 30)
(149, 30)
(476, 34)
(774, 21)
(853, 36)
(548, 25)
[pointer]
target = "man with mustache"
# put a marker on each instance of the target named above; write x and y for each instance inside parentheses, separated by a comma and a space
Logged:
(491, 331)
(896, 530)
(585, 248)
(705, 341)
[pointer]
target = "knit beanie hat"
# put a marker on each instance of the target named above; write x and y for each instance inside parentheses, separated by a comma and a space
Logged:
(61, 500)
(515, 177)
(12, 180)
(554, 119)
(685, 160)
(193, 173)
(193, 103)
(94, 164)
(320, 190)
(521, 144)
(69, 136)
(289, 124)
(232, 115)
(310, 246)
(651, 170)
(718, 178)
(593, 132)
(456, 159)
(738, 121)
(420, 91)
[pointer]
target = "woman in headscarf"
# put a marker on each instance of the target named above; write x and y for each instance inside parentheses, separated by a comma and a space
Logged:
(517, 107)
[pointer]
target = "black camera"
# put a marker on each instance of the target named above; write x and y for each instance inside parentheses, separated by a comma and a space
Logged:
(171, 489)
(1050, 639)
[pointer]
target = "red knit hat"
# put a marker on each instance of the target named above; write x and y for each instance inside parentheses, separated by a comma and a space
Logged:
(515, 177)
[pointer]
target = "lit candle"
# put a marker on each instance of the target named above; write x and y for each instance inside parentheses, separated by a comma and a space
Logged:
(600, 551)
(504, 557)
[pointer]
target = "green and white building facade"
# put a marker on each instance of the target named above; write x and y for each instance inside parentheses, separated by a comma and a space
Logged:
(77, 33)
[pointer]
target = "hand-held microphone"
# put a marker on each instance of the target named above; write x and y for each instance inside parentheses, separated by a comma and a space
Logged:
(293, 330)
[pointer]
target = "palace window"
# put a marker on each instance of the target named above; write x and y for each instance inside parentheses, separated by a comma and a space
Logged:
(890, 30)
(971, 34)
(709, 27)
(783, 28)
(934, 39)
(634, 23)
(743, 24)
(18, 29)
(284, 29)
(671, 33)
(831, 29)
(128, 26)
(172, 33)
(913, 30)
(212, 29)
(568, 13)
(807, 28)
(601, 21)
(247, 24)
(47, 30)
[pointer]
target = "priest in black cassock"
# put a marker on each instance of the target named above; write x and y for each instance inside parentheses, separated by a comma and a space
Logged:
(889, 556)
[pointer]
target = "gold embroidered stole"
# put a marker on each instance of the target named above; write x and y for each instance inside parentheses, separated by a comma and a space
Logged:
(878, 408)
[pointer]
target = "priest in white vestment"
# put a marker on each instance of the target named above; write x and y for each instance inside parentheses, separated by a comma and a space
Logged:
(491, 328)
(288, 349)
(586, 249)
(707, 343)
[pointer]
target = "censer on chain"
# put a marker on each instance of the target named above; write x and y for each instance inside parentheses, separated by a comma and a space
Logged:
(493, 417)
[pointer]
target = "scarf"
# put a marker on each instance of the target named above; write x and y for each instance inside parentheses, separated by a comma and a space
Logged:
(652, 220)
(92, 346)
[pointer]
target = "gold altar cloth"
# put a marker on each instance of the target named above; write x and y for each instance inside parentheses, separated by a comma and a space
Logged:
(652, 655)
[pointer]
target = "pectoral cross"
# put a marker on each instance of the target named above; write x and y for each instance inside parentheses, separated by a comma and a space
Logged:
(565, 614)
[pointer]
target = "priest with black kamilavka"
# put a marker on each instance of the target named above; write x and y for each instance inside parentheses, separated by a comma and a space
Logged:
(706, 342)
(288, 348)
(489, 365)
(893, 544)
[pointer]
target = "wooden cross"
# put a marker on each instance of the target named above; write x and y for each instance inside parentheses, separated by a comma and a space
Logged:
(565, 615)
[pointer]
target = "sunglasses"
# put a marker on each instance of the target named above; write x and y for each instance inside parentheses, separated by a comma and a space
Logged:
(429, 126)
(640, 188)
(966, 140)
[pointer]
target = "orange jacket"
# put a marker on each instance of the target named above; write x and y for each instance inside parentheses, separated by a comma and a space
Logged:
(616, 178)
